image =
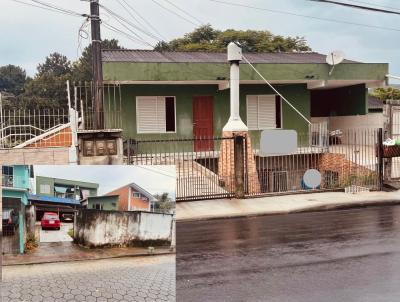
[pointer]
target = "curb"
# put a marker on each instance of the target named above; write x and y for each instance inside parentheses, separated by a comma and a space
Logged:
(92, 259)
(317, 208)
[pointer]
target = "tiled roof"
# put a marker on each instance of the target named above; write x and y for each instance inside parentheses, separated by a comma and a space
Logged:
(51, 199)
(151, 56)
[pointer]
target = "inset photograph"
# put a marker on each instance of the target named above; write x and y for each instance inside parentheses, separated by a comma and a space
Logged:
(88, 233)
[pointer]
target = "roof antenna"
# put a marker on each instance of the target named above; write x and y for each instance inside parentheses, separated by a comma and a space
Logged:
(334, 58)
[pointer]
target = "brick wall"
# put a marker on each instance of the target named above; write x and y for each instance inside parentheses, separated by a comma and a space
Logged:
(346, 169)
(226, 163)
(35, 156)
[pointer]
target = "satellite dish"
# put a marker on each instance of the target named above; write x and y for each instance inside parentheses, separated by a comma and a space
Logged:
(334, 58)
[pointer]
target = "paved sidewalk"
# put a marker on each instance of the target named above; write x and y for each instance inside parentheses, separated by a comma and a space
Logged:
(67, 251)
(225, 208)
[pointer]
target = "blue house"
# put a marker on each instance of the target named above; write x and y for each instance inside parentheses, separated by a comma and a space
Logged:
(15, 190)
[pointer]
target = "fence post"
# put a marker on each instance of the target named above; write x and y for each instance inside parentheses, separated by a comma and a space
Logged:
(380, 158)
(239, 165)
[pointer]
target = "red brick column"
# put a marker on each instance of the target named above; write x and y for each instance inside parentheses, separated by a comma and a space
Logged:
(226, 163)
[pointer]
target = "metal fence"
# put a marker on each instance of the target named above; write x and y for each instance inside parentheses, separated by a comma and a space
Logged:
(109, 117)
(350, 160)
(346, 160)
(197, 172)
(34, 128)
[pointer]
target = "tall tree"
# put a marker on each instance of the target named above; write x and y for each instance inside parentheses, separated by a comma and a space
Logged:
(47, 89)
(82, 68)
(12, 79)
(206, 38)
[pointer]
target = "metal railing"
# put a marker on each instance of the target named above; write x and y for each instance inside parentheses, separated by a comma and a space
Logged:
(35, 128)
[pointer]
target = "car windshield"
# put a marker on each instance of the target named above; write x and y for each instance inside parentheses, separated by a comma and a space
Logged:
(51, 216)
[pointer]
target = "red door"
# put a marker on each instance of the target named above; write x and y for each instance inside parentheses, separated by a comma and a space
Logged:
(203, 123)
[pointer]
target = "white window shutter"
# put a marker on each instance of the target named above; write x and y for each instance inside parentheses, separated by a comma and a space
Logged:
(266, 112)
(149, 114)
(252, 112)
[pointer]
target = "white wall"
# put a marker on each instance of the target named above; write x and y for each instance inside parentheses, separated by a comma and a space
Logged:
(368, 121)
(100, 228)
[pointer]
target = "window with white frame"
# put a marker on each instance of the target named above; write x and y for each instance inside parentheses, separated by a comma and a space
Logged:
(155, 114)
(263, 112)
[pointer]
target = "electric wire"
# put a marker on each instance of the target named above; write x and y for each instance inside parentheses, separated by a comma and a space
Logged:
(374, 4)
(175, 13)
(136, 19)
(144, 20)
(61, 11)
(121, 32)
(305, 16)
(120, 19)
(356, 6)
(276, 91)
(185, 12)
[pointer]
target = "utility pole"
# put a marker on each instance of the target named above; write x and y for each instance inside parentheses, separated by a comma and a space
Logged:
(97, 90)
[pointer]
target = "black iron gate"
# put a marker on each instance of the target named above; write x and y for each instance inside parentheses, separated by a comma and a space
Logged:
(196, 161)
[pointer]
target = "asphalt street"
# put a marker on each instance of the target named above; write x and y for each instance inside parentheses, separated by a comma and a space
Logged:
(333, 256)
(141, 279)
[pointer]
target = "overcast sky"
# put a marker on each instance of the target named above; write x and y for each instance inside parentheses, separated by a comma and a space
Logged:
(155, 179)
(29, 34)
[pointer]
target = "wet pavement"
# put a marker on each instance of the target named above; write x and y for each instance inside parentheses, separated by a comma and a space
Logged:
(49, 252)
(332, 256)
(128, 279)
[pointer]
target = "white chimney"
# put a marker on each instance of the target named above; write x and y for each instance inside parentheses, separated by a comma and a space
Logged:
(235, 124)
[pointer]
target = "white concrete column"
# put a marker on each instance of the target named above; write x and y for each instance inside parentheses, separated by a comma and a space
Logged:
(235, 123)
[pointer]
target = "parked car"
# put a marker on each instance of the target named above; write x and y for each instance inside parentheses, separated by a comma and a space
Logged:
(9, 221)
(67, 217)
(50, 221)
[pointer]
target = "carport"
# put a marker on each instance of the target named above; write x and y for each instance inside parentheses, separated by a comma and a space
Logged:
(58, 205)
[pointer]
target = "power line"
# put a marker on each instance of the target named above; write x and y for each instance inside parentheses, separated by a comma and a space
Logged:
(134, 18)
(175, 13)
(132, 38)
(119, 18)
(144, 20)
(185, 12)
(379, 10)
(157, 172)
(305, 16)
(52, 9)
(374, 4)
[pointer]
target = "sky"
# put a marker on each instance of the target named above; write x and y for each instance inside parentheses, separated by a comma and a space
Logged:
(154, 179)
(29, 34)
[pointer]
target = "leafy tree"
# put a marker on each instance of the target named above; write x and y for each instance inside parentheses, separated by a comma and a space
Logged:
(82, 68)
(389, 93)
(47, 89)
(206, 38)
(164, 203)
(12, 79)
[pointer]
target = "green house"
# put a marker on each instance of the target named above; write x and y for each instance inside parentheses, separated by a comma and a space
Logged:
(65, 188)
(186, 94)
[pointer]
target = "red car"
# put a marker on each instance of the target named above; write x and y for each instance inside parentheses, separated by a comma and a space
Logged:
(50, 221)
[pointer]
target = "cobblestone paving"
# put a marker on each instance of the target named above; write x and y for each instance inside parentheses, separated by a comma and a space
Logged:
(141, 279)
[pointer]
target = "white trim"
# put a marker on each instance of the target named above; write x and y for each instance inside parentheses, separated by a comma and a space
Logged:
(258, 126)
(155, 96)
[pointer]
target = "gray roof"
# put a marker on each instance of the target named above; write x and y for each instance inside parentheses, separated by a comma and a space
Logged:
(151, 56)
